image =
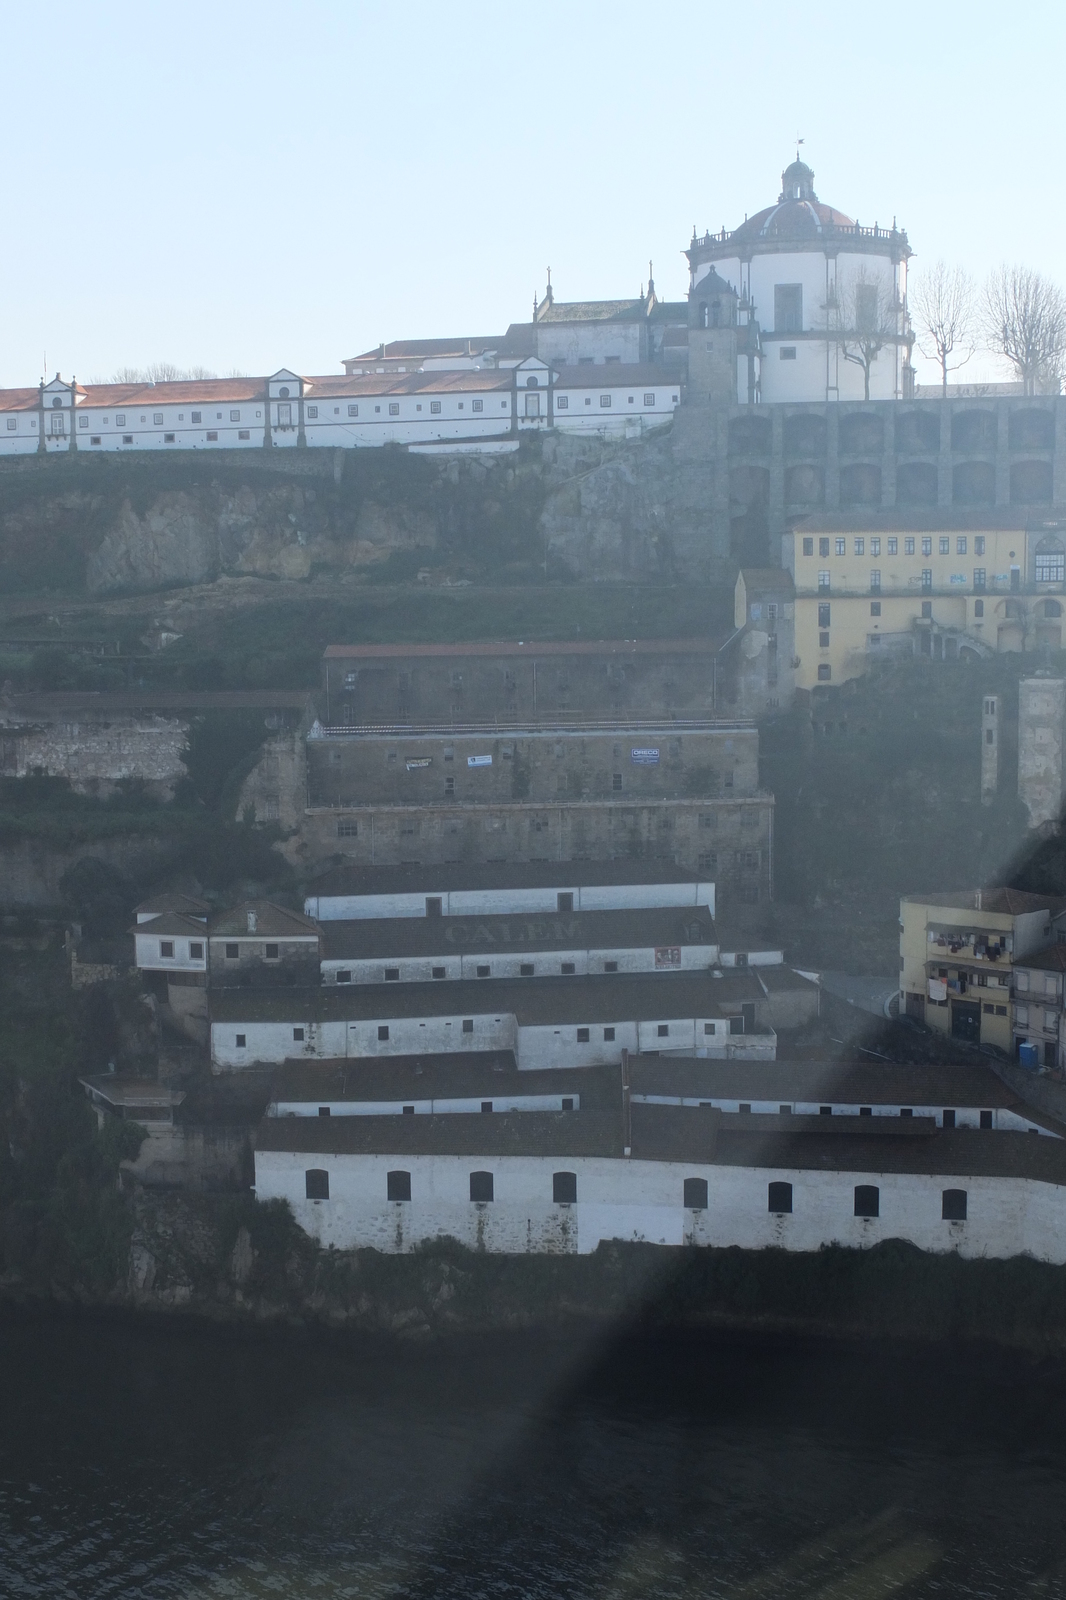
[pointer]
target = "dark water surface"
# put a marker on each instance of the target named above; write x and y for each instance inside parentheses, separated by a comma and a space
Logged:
(155, 1460)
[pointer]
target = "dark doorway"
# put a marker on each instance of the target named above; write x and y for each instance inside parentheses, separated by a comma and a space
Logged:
(966, 1021)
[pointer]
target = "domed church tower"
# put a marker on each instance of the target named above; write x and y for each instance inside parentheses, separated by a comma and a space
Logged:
(821, 300)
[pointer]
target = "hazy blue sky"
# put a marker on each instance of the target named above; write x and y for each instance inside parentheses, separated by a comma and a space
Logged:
(251, 185)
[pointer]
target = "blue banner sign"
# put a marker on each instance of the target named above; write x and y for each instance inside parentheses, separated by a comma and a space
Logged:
(644, 758)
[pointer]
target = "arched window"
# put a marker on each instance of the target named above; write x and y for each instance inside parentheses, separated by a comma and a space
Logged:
(780, 1198)
(953, 1207)
(1050, 562)
(696, 1194)
(703, 314)
(531, 383)
(399, 1185)
(316, 1183)
(481, 1186)
(564, 1188)
(867, 1200)
(1052, 608)
(716, 314)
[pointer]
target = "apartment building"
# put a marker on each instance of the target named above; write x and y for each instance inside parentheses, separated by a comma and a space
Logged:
(934, 584)
(958, 953)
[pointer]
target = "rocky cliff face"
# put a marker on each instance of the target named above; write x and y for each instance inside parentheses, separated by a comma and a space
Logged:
(595, 510)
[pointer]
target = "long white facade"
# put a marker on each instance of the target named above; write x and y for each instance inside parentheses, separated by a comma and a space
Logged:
(488, 409)
(643, 1201)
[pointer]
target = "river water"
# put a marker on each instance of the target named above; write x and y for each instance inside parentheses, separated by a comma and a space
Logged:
(162, 1460)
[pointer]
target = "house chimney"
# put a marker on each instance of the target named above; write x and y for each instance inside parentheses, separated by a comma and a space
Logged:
(253, 922)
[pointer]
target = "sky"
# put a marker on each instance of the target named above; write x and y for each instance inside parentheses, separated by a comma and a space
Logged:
(245, 186)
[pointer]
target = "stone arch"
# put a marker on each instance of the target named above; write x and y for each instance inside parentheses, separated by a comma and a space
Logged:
(860, 484)
(973, 483)
(861, 434)
(750, 436)
(916, 483)
(973, 430)
(1031, 430)
(804, 434)
(1030, 483)
(918, 433)
(1051, 608)
(804, 486)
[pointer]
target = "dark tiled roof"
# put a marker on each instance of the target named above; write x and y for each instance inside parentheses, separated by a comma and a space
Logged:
(866, 1083)
(367, 938)
(429, 1077)
(775, 578)
(270, 920)
(635, 310)
(170, 922)
(615, 375)
(1002, 902)
(516, 1133)
(186, 905)
(397, 349)
(1053, 959)
(534, 1001)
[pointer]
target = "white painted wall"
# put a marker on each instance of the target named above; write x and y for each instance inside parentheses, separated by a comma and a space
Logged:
(504, 902)
(149, 958)
(433, 1107)
(643, 1201)
(509, 964)
(965, 1116)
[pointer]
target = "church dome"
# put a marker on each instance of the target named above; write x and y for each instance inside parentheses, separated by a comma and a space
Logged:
(798, 214)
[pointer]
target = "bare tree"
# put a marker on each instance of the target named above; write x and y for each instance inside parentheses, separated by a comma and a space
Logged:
(160, 372)
(944, 302)
(862, 316)
(1025, 321)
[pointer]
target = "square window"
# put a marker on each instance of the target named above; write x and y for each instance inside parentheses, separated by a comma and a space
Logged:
(567, 969)
(95, 439)
(211, 435)
(823, 547)
(383, 1031)
(83, 422)
(825, 672)
(343, 976)
(468, 1024)
(860, 547)
(662, 1030)
(875, 608)
(841, 547)
(875, 578)
(588, 399)
(195, 416)
(168, 438)
(392, 974)
(235, 416)
(582, 1036)
(196, 951)
(12, 424)
(394, 408)
(960, 545)
(478, 405)
(434, 408)
(233, 952)
(927, 546)
(298, 1035)
(605, 401)
(823, 582)
(166, 949)
(242, 433)
(908, 546)
(823, 641)
(157, 419)
(562, 402)
(525, 970)
(336, 411)
(120, 419)
(610, 966)
(787, 352)
(312, 412)
(353, 411)
(272, 952)
(439, 972)
(616, 782)
(484, 971)
(945, 547)
(608, 1035)
(242, 1041)
(347, 829)
(875, 547)
(649, 399)
(460, 405)
(893, 546)
(808, 547)
(979, 545)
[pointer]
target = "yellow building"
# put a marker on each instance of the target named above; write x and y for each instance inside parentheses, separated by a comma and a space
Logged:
(935, 584)
(957, 954)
